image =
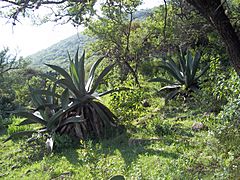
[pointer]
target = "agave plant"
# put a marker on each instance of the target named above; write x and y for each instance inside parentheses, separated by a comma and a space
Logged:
(184, 73)
(77, 111)
(81, 100)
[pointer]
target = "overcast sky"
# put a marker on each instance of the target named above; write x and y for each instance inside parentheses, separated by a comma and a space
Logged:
(26, 39)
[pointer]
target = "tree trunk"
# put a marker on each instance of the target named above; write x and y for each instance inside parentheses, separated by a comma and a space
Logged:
(214, 12)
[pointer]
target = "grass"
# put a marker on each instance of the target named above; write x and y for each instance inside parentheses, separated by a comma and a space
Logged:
(159, 145)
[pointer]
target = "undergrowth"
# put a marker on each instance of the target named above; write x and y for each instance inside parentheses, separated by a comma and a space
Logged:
(159, 144)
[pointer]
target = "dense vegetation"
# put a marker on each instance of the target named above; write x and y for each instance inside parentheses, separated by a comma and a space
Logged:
(153, 98)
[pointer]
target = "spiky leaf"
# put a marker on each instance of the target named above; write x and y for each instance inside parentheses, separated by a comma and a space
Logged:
(92, 73)
(19, 134)
(100, 77)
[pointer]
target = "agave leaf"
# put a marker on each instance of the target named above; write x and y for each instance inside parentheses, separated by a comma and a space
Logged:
(174, 68)
(60, 71)
(196, 63)
(65, 98)
(173, 73)
(189, 62)
(170, 87)
(81, 72)
(56, 117)
(38, 102)
(92, 73)
(76, 59)
(103, 114)
(55, 98)
(171, 95)
(43, 107)
(21, 133)
(95, 123)
(32, 117)
(182, 62)
(108, 112)
(188, 70)
(36, 99)
(42, 130)
(69, 56)
(100, 77)
(69, 84)
(202, 72)
(100, 113)
(78, 131)
(74, 74)
(74, 119)
(26, 122)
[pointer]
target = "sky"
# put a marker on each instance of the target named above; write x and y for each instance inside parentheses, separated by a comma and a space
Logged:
(25, 39)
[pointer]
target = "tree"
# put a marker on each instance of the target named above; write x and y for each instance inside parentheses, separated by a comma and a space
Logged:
(214, 12)
(116, 35)
(9, 62)
(76, 11)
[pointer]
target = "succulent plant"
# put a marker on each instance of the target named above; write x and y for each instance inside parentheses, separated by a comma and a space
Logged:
(184, 72)
(77, 111)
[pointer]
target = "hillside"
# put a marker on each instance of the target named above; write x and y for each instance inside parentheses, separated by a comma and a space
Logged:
(57, 53)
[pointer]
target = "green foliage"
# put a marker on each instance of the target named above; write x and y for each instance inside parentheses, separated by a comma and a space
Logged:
(6, 102)
(22, 93)
(229, 138)
(62, 142)
(76, 111)
(230, 111)
(164, 147)
(221, 83)
(184, 74)
(8, 63)
(127, 104)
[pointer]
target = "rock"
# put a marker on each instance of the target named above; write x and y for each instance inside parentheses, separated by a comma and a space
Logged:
(198, 126)
(117, 177)
(145, 103)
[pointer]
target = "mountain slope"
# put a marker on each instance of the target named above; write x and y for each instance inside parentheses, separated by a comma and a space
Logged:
(57, 53)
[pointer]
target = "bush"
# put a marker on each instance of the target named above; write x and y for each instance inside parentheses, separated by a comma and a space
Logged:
(221, 84)
(128, 104)
(231, 111)
(7, 97)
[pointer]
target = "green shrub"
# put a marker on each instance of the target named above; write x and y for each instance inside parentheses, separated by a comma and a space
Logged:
(231, 111)
(229, 138)
(221, 84)
(128, 104)
(7, 97)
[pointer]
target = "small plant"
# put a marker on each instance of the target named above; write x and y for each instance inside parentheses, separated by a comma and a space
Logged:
(184, 74)
(77, 111)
